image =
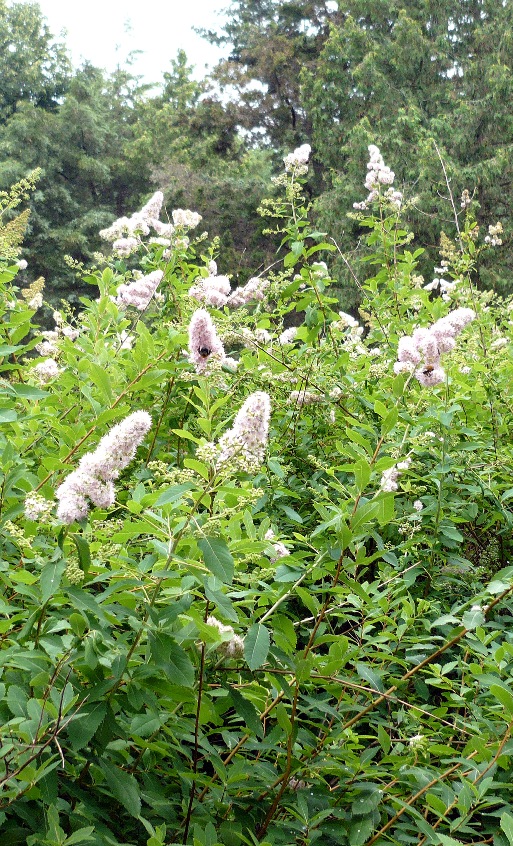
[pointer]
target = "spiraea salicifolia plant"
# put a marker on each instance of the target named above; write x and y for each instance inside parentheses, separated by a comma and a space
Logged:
(243, 532)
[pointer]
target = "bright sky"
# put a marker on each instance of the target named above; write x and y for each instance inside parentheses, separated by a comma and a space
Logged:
(105, 31)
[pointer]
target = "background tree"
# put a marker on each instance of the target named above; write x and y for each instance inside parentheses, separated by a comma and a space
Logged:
(192, 142)
(270, 44)
(410, 77)
(86, 179)
(33, 66)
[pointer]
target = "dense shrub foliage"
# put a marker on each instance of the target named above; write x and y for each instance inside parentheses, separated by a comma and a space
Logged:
(255, 552)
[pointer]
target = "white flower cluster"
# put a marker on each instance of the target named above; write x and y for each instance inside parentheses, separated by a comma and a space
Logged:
(379, 174)
(21, 264)
(445, 286)
(254, 289)
(211, 290)
(427, 345)
(46, 370)
(36, 301)
(125, 233)
(243, 446)
(280, 549)
(389, 477)
(297, 161)
(139, 292)
(232, 645)
(186, 219)
(216, 291)
(493, 238)
(288, 336)
(304, 397)
(93, 479)
(259, 337)
(353, 337)
(37, 507)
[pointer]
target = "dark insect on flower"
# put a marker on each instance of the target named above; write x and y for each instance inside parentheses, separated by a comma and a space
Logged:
(429, 369)
(204, 352)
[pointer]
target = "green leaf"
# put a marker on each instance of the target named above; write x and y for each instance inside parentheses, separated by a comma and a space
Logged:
(27, 391)
(50, 579)
(368, 798)
(84, 725)
(247, 711)
(7, 349)
(291, 514)
(8, 415)
(449, 841)
(172, 659)
(123, 786)
(198, 467)
(507, 826)
(217, 558)
(81, 835)
(370, 676)
(99, 377)
(360, 831)
(362, 474)
(84, 553)
(389, 422)
(504, 696)
(144, 725)
(173, 494)
(256, 646)
(473, 618)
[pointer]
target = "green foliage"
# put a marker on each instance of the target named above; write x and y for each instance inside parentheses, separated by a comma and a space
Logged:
(317, 651)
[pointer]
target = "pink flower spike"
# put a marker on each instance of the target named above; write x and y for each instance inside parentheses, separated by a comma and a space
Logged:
(203, 340)
(244, 444)
(93, 478)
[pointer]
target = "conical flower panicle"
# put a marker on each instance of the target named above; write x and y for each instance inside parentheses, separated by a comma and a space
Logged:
(204, 342)
(426, 345)
(243, 446)
(93, 479)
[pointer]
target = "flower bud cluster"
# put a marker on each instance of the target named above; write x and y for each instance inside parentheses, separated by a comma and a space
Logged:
(425, 346)
(34, 293)
(73, 573)
(93, 479)
(304, 397)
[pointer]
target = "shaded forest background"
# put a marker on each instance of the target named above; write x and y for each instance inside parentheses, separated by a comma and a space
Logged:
(413, 77)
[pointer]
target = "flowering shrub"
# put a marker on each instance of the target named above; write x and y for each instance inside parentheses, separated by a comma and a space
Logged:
(255, 554)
